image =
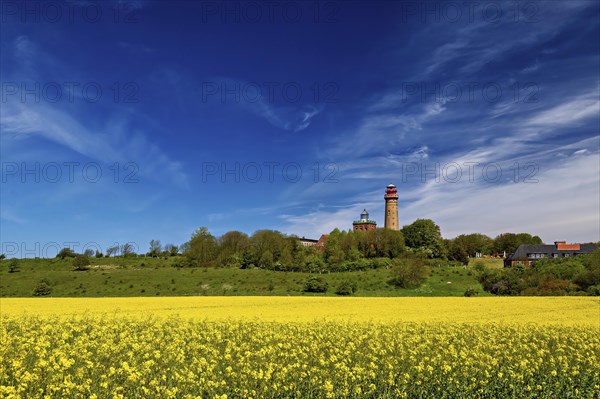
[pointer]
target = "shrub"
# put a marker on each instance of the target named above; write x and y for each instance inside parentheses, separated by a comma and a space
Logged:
(501, 287)
(409, 272)
(184, 261)
(381, 263)
(587, 278)
(81, 263)
(315, 284)
(479, 266)
(65, 253)
(42, 288)
(13, 265)
(594, 290)
(561, 268)
(550, 286)
(346, 288)
(469, 292)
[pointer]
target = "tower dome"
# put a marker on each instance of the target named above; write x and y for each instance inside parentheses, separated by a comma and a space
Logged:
(364, 215)
(364, 224)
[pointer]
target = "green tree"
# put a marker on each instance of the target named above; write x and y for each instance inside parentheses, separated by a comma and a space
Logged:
(65, 253)
(333, 252)
(424, 236)
(13, 265)
(346, 287)
(592, 261)
(409, 271)
(203, 248)
(155, 248)
(231, 248)
(81, 263)
(127, 250)
(112, 251)
(474, 243)
(509, 242)
(457, 252)
(172, 249)
(266, 240)
(266, 260)
(315, 284)
(386, 243)
(42, 288)
(285, 259)
(88, 252)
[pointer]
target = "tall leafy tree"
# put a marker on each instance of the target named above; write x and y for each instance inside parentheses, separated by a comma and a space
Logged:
(333, 252)
(424, 236)
(474, 243)
(155, 248)
(231, 247)
(112, 251)
(509, 242)
(202, 248)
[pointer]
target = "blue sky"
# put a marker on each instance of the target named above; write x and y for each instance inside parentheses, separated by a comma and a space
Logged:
(129, 121)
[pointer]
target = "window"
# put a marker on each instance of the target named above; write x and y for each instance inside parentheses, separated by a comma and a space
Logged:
(536, 256)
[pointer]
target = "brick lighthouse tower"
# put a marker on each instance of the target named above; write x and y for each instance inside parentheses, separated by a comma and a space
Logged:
(391, 207)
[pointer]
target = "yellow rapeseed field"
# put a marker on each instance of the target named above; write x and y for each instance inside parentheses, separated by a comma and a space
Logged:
(546, 310)
(280, 347)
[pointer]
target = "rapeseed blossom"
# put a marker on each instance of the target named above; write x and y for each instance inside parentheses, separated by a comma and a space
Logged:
(102, 355)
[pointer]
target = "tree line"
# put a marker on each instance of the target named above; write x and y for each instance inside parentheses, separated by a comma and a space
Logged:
(342, 251)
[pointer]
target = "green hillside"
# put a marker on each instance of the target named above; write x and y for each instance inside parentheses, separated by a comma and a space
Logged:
(145, 276)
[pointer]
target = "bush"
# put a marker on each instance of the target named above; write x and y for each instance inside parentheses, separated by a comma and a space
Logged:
(560, 268)
(346, 288)
(42, 288)
(501, 287)
(479, 266)
(315, 284)
(65, 253)
(594, 290)
(13, 265)
(587, 279)
(470, 292)
(81, 263)
(381, 263)
(184, 261)
(550, 286)
(409, 272)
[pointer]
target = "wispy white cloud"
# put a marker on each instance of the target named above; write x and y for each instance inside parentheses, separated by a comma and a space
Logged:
(112, 144)
(28, 120)
(24, 48)
(572, 111)
(10, 215)
(532, 68)
(293, 119)
(385, 130)
(482, 42)
(545, 207)
(260, 101)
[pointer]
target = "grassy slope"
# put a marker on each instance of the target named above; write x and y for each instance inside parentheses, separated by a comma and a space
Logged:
(492, 263)
(152, 277)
